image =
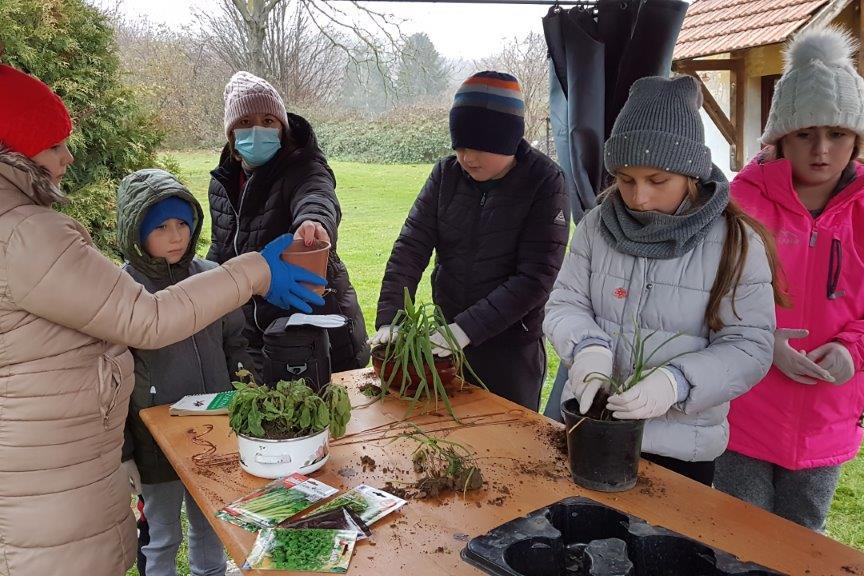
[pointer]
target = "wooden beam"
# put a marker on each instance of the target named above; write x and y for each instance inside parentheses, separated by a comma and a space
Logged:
(719, 64)
(825, 15)
(736, 106)
(715, 112)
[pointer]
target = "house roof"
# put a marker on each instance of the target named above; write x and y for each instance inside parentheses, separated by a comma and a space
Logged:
(717, 26)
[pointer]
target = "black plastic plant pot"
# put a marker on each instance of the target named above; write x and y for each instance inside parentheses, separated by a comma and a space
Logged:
(580, 537)
(603, 454)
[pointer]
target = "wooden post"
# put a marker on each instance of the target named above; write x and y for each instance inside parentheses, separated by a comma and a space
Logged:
(736, 109)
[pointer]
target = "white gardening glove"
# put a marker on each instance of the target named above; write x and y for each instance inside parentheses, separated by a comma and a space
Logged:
(131, 470)
(648, 398)
(793, 363)
(384, 335)
(440, 346)
(589, 363)
(836, 360)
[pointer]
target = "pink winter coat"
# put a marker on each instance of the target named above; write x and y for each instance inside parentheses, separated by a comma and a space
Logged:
(779, 420)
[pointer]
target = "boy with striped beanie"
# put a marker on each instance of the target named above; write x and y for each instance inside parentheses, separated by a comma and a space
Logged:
(488, 114)
(496, 215)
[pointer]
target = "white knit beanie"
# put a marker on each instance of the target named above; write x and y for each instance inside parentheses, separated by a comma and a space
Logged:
(245, 94)
(819, 87)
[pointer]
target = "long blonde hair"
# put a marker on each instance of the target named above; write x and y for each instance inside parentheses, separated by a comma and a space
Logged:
(734, 257)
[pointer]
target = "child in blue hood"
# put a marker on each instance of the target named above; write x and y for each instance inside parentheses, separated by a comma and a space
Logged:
(158, 224)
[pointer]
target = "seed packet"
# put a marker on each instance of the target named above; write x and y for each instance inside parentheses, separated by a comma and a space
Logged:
(370, 504)
(341, 518)
(275, 502)
(302, 550)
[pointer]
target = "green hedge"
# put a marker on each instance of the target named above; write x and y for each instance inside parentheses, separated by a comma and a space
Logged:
(70, 46)
(412, 136)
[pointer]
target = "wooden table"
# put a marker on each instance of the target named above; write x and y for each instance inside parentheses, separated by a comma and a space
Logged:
(523, 471)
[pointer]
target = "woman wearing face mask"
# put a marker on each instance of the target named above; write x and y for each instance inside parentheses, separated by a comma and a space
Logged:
(273, 178)
(791, 432)
(668, 251)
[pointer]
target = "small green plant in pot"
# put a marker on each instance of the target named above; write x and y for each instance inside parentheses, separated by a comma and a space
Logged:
(407, 364)
(604, 452)
(286, 429)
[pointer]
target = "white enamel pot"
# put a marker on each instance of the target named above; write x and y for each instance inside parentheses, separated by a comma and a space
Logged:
(277, 458)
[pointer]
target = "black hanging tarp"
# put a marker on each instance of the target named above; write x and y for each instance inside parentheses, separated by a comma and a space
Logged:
(597, 50)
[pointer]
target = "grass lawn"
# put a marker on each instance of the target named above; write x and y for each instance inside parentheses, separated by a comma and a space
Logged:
(375, 200)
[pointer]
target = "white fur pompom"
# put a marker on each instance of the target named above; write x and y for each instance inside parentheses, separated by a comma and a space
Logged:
(830, 45)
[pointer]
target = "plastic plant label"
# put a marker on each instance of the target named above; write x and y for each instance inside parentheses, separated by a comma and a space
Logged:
(275, 502)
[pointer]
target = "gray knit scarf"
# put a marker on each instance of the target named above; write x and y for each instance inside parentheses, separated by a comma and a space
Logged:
(664, 236)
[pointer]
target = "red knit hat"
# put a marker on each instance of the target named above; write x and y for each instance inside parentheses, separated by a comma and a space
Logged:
(32, 117)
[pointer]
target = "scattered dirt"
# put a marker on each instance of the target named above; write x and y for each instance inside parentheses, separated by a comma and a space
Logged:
(439, 550)
(551, 470)
(556, 438)
(849, 569)
(347, 472)
(397, 491)
(648, 487)
(497, 501)
(368, 463)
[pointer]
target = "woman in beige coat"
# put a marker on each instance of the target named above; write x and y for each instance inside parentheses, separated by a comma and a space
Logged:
(67, 314)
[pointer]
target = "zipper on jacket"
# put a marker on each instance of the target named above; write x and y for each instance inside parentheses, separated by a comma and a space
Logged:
(194, 346)
(835, 262)
(814, 235)
(473, 242)
(152, 395)
(238, 212)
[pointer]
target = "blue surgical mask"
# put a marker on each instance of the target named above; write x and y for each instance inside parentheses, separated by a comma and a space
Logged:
(257, 145)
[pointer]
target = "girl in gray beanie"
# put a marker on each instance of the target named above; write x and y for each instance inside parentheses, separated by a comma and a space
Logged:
(666, 254)
(792, 431)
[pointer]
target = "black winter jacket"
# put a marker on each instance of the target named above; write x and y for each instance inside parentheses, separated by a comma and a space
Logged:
(497, 253)
(296, 185)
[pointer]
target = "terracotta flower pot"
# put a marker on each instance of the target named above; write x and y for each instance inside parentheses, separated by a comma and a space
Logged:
(445, 367)
(312, 258)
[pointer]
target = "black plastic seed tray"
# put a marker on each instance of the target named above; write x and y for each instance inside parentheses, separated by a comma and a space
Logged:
(580, 537)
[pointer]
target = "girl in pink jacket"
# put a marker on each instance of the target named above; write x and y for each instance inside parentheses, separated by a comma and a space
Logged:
(790, 433)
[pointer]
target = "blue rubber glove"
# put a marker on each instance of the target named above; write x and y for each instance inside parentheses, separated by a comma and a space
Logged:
(285, 290)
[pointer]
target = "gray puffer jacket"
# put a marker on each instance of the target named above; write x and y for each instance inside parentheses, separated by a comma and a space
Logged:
(600, 292)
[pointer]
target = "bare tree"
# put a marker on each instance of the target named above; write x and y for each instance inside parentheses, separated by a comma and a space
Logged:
(177, 77)
(249, 34)
(255, 16)
(525, 58)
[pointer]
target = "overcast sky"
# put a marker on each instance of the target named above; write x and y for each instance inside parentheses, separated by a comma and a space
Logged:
(468, 31)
